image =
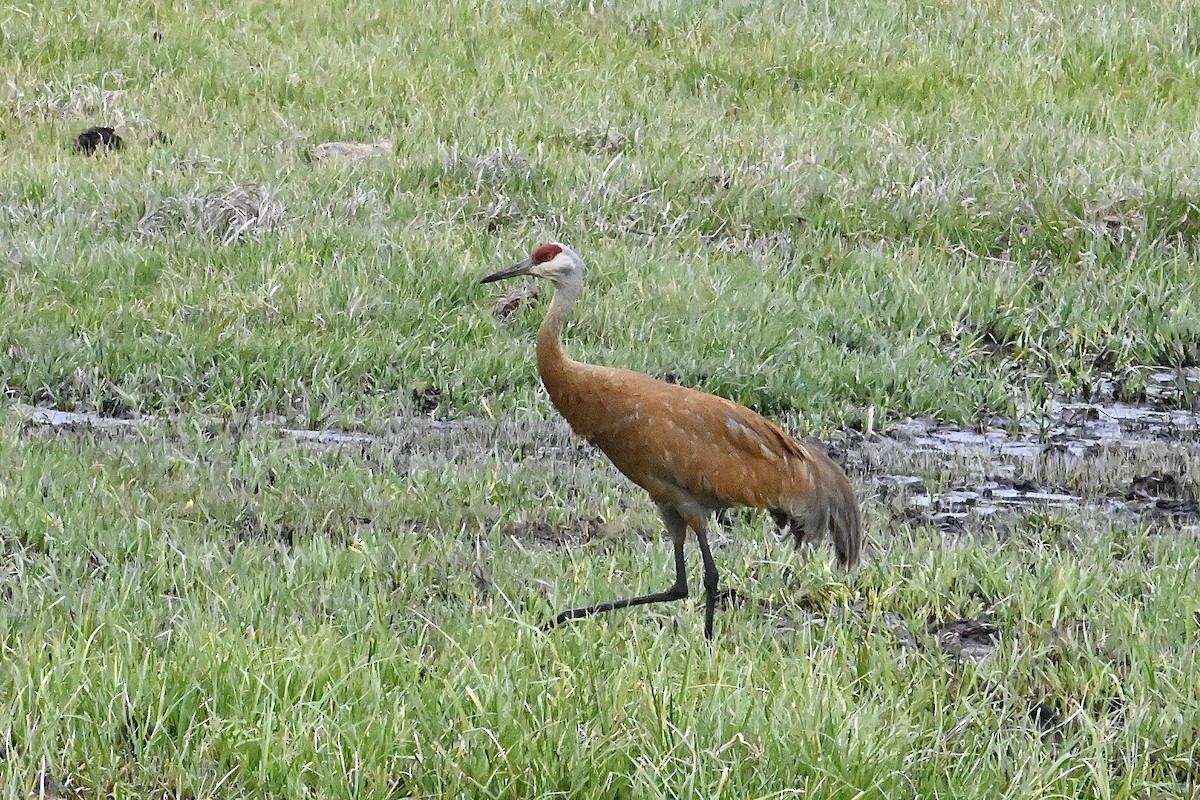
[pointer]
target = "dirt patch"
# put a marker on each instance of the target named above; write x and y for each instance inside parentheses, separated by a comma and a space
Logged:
(98, 138)
(543, 532)
(47, 786)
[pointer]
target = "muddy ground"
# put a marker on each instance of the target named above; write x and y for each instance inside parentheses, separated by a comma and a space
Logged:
(1139, 463)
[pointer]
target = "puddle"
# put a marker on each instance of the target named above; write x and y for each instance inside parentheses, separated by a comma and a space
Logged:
(1167, 387)
(71, 419)
(995, 502)
(53, 418)
(956, 507)
(1107, 459)
(404, 443)
(995, 494)
(1075, 428)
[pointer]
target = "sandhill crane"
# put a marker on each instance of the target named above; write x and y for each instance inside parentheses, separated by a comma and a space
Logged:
(695, 453)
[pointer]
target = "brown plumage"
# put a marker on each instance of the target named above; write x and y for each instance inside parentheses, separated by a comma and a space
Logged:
(695, 453)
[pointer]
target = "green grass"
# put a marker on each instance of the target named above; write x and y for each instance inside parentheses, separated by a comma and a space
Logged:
(831, 212)
(813, 210)
(202, 615)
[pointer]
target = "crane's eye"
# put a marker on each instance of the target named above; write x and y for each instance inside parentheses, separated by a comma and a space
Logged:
(545, 253)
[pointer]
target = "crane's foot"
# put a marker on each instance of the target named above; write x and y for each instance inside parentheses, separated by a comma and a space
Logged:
(677, 592)
(566, 616)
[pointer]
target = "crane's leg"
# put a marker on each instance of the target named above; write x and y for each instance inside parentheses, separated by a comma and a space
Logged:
(711, 594)
(677, 528)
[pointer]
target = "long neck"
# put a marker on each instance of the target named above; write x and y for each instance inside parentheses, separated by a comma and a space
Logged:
(553, 364)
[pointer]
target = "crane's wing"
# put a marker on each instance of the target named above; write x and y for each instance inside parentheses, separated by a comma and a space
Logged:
(684, 445)
(735, 455)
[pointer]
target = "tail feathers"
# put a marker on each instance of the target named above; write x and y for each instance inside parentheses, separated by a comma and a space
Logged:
(834, 508)
(845, 528)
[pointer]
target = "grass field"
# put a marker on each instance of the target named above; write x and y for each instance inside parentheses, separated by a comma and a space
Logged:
(840, 214)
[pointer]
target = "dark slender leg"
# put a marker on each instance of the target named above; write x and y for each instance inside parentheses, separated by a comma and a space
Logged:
(711, 595)
(679, 590)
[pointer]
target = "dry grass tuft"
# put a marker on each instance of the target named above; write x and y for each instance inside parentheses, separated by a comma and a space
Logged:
(490, 195)
(1119, 216)
(503, 210)
(491, 169)
(507, 302)
(745, 239)
(603, 139)
(243, 211)
(354, 152)
(69, 101)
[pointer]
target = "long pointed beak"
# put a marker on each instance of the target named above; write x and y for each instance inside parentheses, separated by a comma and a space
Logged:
(520, 268)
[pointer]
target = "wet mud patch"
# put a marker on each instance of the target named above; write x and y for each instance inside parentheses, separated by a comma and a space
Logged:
(1136, 464)
(966, 639)
(1162, 390)
(545, 533)
(1075, 428)
(994, 504)
(50, 419)
(968, 507)
(403, 441)
(960, 639)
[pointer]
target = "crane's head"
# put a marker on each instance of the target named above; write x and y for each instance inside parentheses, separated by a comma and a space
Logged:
(555, 261)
